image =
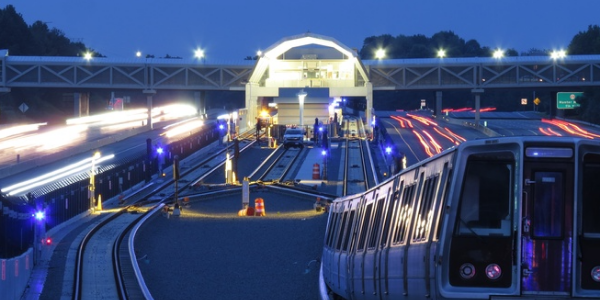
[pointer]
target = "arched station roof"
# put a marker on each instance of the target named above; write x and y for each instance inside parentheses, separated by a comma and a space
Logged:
(275, 51)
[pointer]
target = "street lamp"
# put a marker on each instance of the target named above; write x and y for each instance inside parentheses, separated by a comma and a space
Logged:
(441, 53)
(380, 54)
(93, 179)
(498, 54)
(301, 95)
(199, 54)
(558, 54)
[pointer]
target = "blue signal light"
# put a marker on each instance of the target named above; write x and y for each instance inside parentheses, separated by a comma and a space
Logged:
(159, 150)
(388, 150)
(221, 127)
(39, 215)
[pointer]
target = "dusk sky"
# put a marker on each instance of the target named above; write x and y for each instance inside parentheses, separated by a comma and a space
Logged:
(230, 30)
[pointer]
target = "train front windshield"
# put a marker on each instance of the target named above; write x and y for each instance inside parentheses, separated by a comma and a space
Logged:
(486, 196)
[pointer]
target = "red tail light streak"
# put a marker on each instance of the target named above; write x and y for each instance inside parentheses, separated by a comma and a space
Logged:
(425, 145)
(455, 135)
(401, 120)
(423, 120)
(446, 136)
(549, 132)
(437, 146)
(572, 128)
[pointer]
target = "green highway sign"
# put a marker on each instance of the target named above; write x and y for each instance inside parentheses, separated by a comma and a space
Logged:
(567, 100)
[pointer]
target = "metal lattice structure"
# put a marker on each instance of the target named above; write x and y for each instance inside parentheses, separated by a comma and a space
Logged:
(395, 74)
(141, 74)
(481, 73)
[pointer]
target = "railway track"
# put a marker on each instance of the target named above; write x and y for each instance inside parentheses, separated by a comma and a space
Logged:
(277, 171)
(358, 163)
(355, 170)
(104, 267)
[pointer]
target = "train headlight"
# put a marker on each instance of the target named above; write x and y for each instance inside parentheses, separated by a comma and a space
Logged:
(596, 273)
(493, 271)
(467, 271)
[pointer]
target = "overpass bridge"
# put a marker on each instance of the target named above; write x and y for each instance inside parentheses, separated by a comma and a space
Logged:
(289, 63)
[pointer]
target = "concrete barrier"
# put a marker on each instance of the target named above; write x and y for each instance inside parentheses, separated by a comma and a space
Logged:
(14, 275)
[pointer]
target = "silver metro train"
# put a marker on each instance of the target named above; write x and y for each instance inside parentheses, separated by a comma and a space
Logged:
(503, 218)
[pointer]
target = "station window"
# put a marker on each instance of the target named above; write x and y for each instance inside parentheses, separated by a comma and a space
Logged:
(485, 200)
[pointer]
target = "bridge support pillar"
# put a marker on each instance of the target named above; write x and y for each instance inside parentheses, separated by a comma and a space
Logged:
(199, 102)
(438, 104)
(149, 93)
(477, 93)
(81, 103)
(369, 109)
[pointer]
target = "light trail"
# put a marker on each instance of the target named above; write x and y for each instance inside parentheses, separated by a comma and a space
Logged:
(455, 135)
(55, 175)
(566, 126)
(408, 122)
(437, 146)
(19, 129)
(425, 145)
(183, 128)
(423, 120)
(446, 136)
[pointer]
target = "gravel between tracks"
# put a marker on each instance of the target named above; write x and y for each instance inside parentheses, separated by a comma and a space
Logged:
(209, 252)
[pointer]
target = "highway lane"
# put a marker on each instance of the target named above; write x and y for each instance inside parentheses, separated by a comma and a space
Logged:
(419, 136)
(24, 146)
(131, 145)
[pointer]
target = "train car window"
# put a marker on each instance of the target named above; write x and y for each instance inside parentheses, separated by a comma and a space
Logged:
(346, 241)
(333, 227)
(376, 222)
(438, 231)
(341, 231)
(364, 227)
(425, 214)
(591, 205)
(485, 200)
(396, 208)
(404, 214)
(548, 205)
(388, 219)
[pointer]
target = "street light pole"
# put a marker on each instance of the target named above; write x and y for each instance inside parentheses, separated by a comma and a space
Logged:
(93, 180)
(301, 95)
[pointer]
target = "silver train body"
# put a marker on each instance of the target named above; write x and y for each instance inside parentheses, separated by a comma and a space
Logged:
(505, 218)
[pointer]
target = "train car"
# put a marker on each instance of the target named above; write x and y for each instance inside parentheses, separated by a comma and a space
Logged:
(501, 218)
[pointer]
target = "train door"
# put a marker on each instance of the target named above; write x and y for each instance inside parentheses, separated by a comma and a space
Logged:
(547, 225)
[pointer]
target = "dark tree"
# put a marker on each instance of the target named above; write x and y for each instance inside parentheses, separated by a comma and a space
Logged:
(587, 42)
(14, 33)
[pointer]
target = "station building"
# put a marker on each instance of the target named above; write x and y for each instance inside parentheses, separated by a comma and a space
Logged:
(304, 76)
